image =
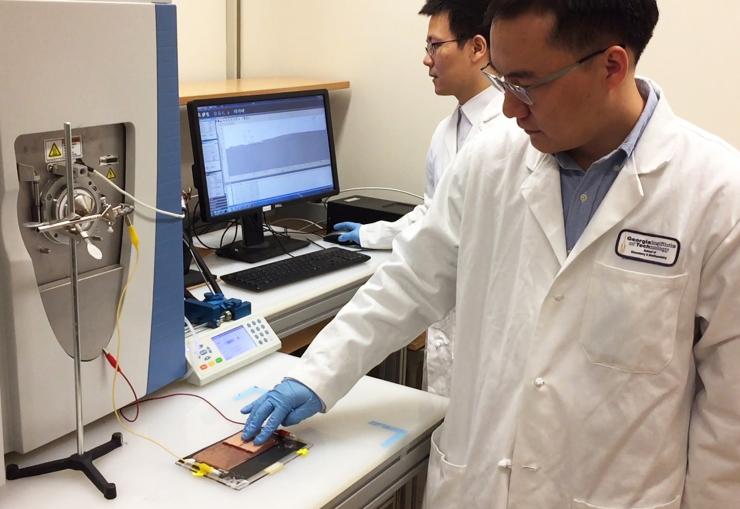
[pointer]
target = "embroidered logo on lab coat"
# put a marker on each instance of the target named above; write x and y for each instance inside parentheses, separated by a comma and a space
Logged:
(646, 247)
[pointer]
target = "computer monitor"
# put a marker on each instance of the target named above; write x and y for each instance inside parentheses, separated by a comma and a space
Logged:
(251, 152)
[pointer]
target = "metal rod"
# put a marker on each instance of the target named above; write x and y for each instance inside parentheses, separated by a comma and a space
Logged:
(65, 224)
(75, 296)
(109, 214)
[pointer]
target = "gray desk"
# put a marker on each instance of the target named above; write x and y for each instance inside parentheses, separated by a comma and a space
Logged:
(370, 443)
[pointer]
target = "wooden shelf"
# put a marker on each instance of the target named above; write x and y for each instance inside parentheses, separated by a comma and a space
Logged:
(252, 86)
(302, 338)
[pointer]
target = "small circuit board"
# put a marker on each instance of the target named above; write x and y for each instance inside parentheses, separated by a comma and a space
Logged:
(237, 464)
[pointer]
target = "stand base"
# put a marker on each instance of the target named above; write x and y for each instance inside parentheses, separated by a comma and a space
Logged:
(83, 462)
(269, 248)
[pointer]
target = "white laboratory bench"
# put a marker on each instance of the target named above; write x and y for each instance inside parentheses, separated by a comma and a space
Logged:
(363, 448)
(293, 307)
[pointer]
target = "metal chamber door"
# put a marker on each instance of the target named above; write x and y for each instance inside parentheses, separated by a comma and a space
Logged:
(43, 197)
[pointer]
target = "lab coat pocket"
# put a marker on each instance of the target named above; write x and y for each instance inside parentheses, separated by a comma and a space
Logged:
(444, 479)
(630, 319)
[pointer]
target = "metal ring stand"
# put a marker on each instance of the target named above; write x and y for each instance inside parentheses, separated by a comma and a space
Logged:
(82, 461)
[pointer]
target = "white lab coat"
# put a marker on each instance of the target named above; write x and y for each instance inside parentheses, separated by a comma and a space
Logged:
(485, 107)
(483, 110)
(574, 380)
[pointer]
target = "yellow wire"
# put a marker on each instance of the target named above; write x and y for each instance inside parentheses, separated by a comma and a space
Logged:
(135, 242)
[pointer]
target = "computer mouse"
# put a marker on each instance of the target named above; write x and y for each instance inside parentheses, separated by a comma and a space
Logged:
(333, 237)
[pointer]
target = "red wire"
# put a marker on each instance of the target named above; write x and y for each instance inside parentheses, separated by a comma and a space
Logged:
(114, 363)
(136, 399)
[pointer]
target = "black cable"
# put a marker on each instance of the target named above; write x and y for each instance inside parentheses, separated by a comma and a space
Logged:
(316, 244)
(307, 239)
(236, 232)
(275, 234)
(195, 231)
(223, 234)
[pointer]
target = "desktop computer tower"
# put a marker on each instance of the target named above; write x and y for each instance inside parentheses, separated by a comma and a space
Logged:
(365, 210)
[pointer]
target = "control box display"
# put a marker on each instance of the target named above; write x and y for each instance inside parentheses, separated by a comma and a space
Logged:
(217, 352)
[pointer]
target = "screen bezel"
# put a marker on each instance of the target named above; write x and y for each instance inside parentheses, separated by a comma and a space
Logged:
(197, 147)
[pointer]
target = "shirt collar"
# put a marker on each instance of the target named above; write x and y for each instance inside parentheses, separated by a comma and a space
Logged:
(618, 156)
(475, 106)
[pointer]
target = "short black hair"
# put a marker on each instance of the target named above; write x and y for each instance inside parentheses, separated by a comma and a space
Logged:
(467, 17)
(583, 24)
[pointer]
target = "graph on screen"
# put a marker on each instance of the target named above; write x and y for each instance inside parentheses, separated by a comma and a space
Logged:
(274, 143)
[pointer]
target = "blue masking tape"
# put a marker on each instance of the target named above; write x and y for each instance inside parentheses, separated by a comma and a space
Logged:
(398, 433)
(259, 391)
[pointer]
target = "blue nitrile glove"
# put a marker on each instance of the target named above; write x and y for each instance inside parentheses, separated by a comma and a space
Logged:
(352, 229)
(288, 403)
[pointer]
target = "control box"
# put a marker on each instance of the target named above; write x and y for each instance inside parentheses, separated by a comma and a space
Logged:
(213, 353)
(365, 210)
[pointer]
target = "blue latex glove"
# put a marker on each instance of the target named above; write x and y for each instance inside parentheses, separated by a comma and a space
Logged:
(352, 232)
(288, 403)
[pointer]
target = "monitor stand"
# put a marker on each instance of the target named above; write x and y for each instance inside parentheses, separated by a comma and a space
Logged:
(254, 246)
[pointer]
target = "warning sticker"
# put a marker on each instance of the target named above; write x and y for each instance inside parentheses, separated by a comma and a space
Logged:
(110, 175)
(54, 149)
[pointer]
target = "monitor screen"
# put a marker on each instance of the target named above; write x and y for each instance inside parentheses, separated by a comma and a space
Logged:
(262, 150)
(250, 152)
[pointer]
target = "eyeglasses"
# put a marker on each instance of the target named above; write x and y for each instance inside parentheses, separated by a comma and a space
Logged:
(523, 92)
(431, 47)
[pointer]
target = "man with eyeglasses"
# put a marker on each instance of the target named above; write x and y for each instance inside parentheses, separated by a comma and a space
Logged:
(456, 51)
(593, 254)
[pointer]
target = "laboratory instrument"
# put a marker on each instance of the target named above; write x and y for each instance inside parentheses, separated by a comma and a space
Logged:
(215, 352)
(110, 70)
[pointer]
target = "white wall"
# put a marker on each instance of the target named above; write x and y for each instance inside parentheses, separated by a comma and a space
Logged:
(383, 123)
(201, 39)
(695, 57)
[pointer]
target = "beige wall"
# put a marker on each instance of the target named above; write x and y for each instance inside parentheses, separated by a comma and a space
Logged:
(384, 122)
(201, 39)
(201, 56)
(386, 119)
(695, 57)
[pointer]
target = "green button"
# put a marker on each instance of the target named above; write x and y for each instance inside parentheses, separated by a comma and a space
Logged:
(219, 359)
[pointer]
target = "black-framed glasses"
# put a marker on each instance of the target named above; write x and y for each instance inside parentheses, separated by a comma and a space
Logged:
(431, 47)
(522, 92)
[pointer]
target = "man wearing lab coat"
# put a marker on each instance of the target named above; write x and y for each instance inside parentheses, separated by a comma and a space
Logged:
(593, 254)
(456, 51)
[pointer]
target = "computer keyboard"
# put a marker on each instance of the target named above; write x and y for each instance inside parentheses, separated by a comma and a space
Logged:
(291, 270)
